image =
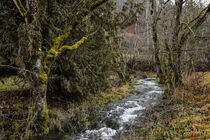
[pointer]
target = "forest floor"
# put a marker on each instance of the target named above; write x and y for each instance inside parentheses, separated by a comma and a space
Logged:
(182, 115)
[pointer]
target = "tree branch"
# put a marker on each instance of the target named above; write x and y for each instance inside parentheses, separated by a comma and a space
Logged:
(200, 19)
(87, 12)
(18, 7)
(60, 39)
(16, 68)
(188, 27)
(195, 18)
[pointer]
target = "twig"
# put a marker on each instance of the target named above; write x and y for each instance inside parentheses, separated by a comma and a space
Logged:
(16, 68)
(18, 7)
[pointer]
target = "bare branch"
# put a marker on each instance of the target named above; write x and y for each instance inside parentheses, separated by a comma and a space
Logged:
(164, 5)
(20, 69)
(18, 7)
(198, 16)
(188, 27)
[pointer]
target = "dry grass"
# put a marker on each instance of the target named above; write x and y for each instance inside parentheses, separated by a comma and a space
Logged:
(183, 115)
(198, 82)
(115, 93)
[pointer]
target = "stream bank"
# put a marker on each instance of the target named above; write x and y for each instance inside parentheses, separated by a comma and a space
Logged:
(65, 116)
(113, 120)
(181, 115)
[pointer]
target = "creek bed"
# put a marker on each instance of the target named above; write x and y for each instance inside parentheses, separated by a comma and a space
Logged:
(122, 116)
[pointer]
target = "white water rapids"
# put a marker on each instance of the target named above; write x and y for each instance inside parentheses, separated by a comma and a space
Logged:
(125, 113)
(122, 117)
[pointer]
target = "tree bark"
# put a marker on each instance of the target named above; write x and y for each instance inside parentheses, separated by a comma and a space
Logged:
(179, 39)
(39, 101)
(177, 53)
(159, 67)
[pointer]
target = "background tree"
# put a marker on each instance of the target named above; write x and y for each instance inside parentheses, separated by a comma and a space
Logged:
(173, 35)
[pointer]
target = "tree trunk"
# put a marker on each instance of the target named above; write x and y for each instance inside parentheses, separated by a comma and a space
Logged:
(39, 106)
(176, 46)
(159, 68)
(148, 22)
(39, 102)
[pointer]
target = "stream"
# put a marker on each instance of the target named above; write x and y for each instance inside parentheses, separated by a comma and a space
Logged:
(122, 116)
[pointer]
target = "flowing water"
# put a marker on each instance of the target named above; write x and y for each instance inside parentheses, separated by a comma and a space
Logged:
(122, 116)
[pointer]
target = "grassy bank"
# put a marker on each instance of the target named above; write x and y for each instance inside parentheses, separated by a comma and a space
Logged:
(183, 115)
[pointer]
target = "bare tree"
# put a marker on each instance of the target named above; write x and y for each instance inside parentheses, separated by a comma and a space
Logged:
(176, 33)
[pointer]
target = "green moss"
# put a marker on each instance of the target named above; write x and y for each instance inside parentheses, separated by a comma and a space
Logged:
(43, 77)
(170, 54)
(21, 5)
(13, 137)
(87, 123)
(61, 38)
(162, 78)
(76, 45)
(17, 126)
(139, 84)
(114, 95)
(3, 124)
(52, 51)
(8, 133)
(12, 83)
(46, 118)
(113, 5)
(32, 106)
(164, 95)
(46, 68)
(104, 101)
(49, 56)
(18, 105)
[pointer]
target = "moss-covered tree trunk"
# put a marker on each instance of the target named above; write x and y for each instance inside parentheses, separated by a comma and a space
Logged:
(181, 34)
(39, 111)
(170, 72)
(158, 64)
(39, 105)
(43, 63)
(175, 44)
(38, 118)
